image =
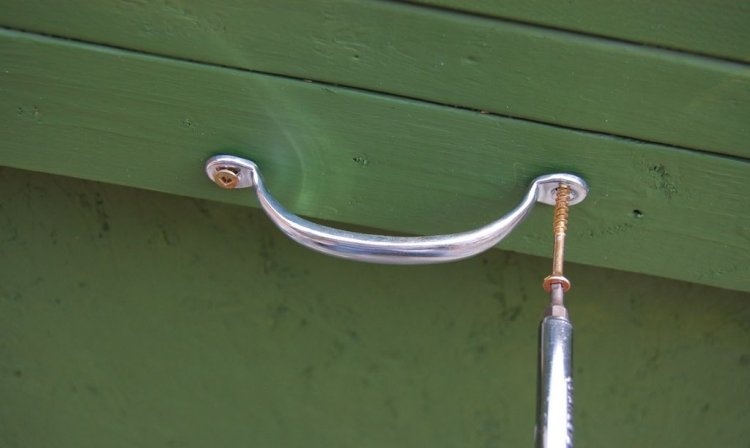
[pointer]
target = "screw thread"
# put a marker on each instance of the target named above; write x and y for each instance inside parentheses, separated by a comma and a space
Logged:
(559, 226)
(560, 223)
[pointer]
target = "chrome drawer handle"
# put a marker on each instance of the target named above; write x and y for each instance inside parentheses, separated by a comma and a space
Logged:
(235, 172)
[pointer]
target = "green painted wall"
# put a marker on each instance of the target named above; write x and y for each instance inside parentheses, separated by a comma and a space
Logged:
(132, 318)
(717, 28)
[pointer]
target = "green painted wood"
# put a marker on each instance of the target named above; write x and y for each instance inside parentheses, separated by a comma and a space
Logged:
(135, 319)
(499, 67)
(333, 153)
(717, 28)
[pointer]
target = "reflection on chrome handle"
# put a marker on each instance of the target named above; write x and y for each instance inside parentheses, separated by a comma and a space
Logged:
(235, 172)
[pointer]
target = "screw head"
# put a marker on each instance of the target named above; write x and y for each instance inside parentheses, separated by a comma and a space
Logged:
(226, 178)
(549, 184)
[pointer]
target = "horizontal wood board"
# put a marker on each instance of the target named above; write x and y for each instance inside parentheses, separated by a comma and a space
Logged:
(718, 28)
(499, 67)
(96, 113)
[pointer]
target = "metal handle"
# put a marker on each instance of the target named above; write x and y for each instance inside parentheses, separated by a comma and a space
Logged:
(235, 172)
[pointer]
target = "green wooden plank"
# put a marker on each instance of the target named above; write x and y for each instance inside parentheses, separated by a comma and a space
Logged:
(136, 319)
(719, 28)
(500, 67)
(338, 154)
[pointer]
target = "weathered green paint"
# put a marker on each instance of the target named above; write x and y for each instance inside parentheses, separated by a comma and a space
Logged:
(130, 318)
(505, 68)
(717, 27)
(332, 153)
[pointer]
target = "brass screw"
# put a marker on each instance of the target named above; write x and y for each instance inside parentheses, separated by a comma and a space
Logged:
(559, 226)
(226, 178)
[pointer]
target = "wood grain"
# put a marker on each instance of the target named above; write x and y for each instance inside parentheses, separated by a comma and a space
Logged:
(499, 67)
(333, 153)
(717, 28)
